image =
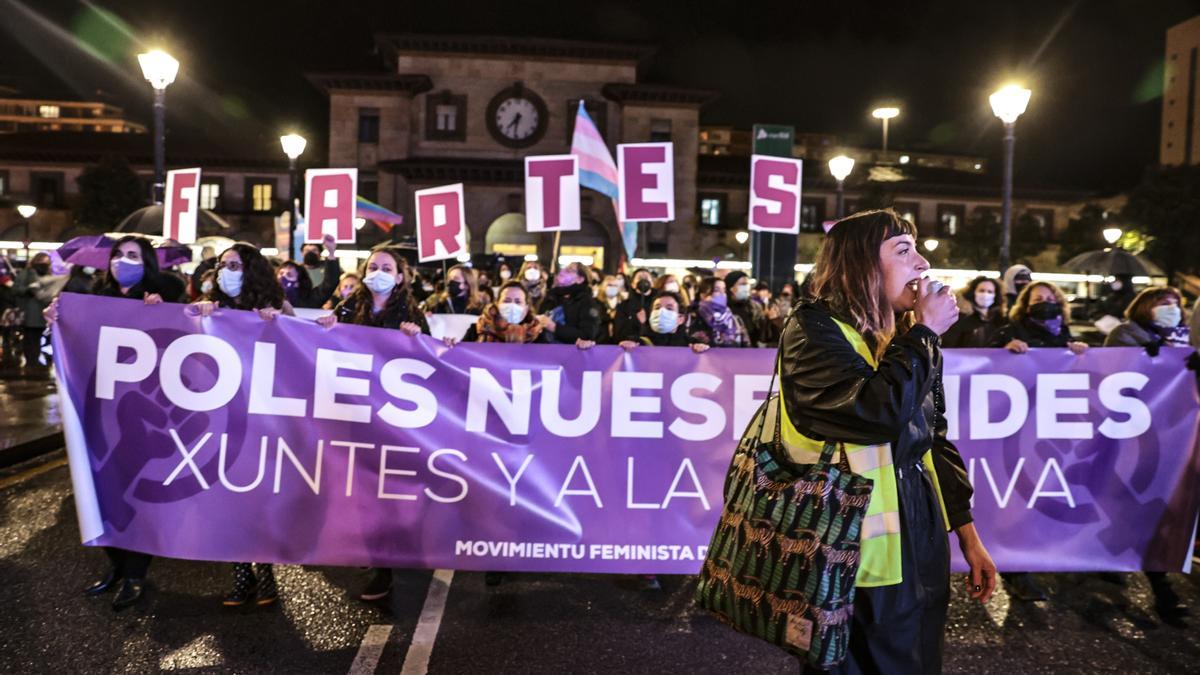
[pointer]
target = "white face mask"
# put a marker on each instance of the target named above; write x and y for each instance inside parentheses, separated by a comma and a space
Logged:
(671, 287)
(1167, 316)
(511, 312)
(380, 282)
(206, 287)
(230, 282)
(984, 299)
(505, 275)
(533, 274)
(664, 320)
(612, 291)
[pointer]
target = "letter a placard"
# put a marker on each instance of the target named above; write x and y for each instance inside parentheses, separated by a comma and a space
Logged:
(441, 226)
(552, 193)
(775, 194)
(181, 206)
(330, 197)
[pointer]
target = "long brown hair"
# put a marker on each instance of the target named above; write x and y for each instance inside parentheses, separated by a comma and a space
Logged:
(260, 289)
(1020, 308)
(475, 299)
(848, 275)
(1141, 310)
(400, 302)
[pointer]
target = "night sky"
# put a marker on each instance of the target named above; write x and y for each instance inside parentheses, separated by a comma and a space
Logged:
(1095, 68)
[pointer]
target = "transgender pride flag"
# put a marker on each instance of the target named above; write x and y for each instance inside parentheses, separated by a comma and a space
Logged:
(598, 171)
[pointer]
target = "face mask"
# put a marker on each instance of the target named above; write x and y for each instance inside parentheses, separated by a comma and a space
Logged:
(533, 274)
(206, 287)
(312, 258)
(89, 271)
(984, 299)
(505, 275)
(345, 292)
(428, 288)
(1167, 316)
(1044, 311)
(379, 282)
(671, 287)
(230, 282)
(42, 269)
(127, 272)
(454, 288)
(664, 320)
(1020, 284)
(612, 291)
(741, 293)
(513, 313)
(644, 286)
(288, 283)
(1116, 285)
(719, 300)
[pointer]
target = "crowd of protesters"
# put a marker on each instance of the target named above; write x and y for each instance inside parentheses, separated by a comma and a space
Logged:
(530, 304)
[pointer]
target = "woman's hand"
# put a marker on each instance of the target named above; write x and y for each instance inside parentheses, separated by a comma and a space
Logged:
(585, 344)
(328, 321)
(627, 345)
(450, 341)
(410, 329)
(268, 313)
(330, 244)
(1017, 346)
(1077, 348)
(547, 324)
(700, 347)
(152, 299)
(936, 311)
(981, 582)
(202, 309)
(50, 314)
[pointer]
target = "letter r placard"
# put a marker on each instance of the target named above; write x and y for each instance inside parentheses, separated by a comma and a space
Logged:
(441, 225)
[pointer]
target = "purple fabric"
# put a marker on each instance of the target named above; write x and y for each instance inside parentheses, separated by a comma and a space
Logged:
(1096, 471)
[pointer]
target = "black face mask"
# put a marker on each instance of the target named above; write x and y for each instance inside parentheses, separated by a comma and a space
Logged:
(1045, 311)
(1020, 284)
(643, 287)
(42, 269)
(312, 258)
(454, 288)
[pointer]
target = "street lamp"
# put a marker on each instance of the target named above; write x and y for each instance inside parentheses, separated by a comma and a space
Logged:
(840, 167)
(885, 114)
(160, 70)
(1112, 234)
(26, 211)
(293, 147)
(742, 237)
(931, 245)
(1008, 103)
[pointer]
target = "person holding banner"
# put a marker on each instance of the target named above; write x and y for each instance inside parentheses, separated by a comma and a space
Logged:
(667, 326)
(569, 312)
(510, 319)
(460, 296)
(861, 365)
(711, 320)
(1038, 319)
(629, 319)
(132, 273)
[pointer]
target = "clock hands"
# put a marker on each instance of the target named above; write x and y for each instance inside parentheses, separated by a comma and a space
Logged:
(516, 120)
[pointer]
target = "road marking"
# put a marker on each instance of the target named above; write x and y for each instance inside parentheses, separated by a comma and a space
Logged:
(416, 661)
(370, 650)
(30, 473)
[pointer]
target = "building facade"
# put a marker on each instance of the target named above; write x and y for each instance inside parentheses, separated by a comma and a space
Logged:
(26, 114)
(1180, 144)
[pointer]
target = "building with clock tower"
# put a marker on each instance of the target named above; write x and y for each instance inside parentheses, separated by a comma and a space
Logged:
(459, 109)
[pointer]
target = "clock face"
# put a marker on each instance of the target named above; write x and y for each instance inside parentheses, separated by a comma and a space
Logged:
(517, 118)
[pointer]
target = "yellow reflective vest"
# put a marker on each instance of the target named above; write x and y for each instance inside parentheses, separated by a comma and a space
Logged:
(880, 548)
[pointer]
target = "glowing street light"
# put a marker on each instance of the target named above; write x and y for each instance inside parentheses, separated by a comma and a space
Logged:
(159, 69)
(840, 167)
(293, 147)
(742, 237)
(931, 245)
(885, 114)
(27, 210)
(1112, 234)
(1008, 103)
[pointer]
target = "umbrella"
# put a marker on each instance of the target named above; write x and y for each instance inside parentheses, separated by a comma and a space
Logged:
(149, 220)
(93, 250)
(1112, 262)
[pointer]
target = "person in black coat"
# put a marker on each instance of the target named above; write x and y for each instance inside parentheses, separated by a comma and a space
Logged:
(298, 287)
(570, 313)
(1038, 319)
(132, 273)
(978, 327)
(629, 319)
(667, 326)
(737, 285)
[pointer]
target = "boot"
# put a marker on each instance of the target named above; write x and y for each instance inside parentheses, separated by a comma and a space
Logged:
(1167, 602)
(130, 593)
(379, 586)
(243, 585)
(268, 592)
(1023, 587)
(104, 585)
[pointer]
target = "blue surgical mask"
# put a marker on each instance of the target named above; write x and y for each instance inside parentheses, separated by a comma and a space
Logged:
(127, 272)
(379, 282)
(230, 282)
(664, 320)
(1167, 316)
(741, 293)
(512, 313)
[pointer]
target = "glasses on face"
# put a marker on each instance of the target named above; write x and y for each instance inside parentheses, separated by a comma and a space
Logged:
(231, 265)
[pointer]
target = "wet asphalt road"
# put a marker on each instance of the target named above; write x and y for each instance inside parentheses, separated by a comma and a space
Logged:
(528, 624)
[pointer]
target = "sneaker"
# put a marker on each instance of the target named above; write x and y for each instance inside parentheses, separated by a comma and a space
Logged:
(268, 591)
(244, 584)
(1023, 587)
(379, 586)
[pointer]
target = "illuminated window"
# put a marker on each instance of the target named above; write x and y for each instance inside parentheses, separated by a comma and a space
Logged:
(710, 211)
(210, 193)
(48, 111)
(260, 196)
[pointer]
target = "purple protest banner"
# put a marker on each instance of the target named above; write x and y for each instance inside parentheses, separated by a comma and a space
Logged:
(233, 438)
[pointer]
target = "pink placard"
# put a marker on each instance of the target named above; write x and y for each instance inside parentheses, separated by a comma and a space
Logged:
(441, 225)
(552, 193)
(775, 194)
(181, 207)
(329, 203)
(646, 181)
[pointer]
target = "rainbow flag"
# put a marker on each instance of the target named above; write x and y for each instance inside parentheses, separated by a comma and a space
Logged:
(369, 210)
(598, 171)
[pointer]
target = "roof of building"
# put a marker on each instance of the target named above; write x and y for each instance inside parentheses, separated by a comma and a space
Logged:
(85, 148)
(458, 169)
(390, 44)
(659, 94)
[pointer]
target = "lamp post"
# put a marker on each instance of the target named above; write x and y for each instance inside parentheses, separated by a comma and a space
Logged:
(885, 114)
(1008, 103)
(293, 147)
(840, 167)
(160, 70)
(26, 211)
